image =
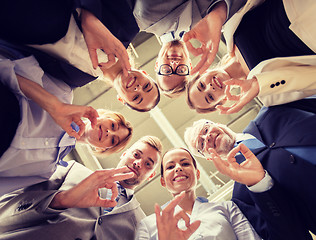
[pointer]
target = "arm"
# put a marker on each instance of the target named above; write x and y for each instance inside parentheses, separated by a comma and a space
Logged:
(167, 222)
(62, 113)
(208, 32)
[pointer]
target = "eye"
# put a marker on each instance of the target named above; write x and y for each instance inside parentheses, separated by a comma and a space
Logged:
(205, 130)
(146, 86)
(170, 167)
(113, 140)
(186, 164)
(135, 97)
(211, 97)
(136, 155)
(113, 126)
(148, 164)
(202, 85)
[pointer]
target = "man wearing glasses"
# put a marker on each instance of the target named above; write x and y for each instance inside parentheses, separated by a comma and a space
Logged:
(173, 67)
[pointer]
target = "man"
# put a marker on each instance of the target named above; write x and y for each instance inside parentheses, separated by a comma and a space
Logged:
(72, 205)
(285, 149)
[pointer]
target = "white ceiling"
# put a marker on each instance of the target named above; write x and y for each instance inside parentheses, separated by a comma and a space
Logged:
(172, 111)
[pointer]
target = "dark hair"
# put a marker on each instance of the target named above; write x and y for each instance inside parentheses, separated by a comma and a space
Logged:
(172, 149)
(191, 105)
(147, 109)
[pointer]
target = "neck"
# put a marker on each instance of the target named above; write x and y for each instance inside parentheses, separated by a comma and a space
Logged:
(234, 69)
(188, 201)
(112, 72)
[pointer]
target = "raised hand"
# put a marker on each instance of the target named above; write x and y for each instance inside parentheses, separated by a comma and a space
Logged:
(85, 194)
(167, 222)
(208, 32)
(248, 172)
(97, 36)
(249, 89)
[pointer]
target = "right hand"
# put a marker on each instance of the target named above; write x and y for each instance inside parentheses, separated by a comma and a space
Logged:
(97, 36)
(167, 222)
(85, 194)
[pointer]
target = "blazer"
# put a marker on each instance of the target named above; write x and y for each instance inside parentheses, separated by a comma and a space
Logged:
(287, 210)
(25, 214)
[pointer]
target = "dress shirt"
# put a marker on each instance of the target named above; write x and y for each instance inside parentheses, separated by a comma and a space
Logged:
(38, 142)
(218, 221)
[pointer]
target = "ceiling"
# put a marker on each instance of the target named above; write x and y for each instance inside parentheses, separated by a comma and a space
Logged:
(167, 121)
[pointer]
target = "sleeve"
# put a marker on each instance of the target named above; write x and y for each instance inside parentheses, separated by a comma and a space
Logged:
(273, 215)
(240, 224)
(142, 231)
(284, 81)
(265, 184)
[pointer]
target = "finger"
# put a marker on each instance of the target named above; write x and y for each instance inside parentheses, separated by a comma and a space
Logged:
(182, 215)
(233, 152)
(200, 63)
(81, 125)
(174, 202)
(121, 177)
(191, 228)
(186, 38)
(234, 82)
(105, 203)
(93, 57)
(157, 213)
(124, 60)
(229, 95)
(71, 132)
(113, 187)
(246, 151)
(111, 61)
(210, 58)
(92, 115)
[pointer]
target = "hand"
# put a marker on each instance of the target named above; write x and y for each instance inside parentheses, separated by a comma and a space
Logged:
(85, 194)
(249, 89)
(97, 36)
(167, 222)
(208, 32)
(64, 114)
(249, 172)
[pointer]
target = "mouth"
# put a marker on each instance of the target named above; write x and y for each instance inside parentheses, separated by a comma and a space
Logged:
(180, 178)
(215, 142)
(217, 82)
(100, 133)
(133, 170)
(130, 82)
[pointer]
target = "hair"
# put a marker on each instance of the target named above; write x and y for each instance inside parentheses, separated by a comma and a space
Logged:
(157, 100)
(122, 121)
(152, 141)
(176, 91)
(172, 149)
(191, 105)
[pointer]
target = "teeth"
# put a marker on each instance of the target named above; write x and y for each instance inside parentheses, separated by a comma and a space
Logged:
(218, 83)
(130, 83)
(180, 178)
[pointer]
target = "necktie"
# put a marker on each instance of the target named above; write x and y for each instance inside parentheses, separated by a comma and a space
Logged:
(254, 145)
(121, 193)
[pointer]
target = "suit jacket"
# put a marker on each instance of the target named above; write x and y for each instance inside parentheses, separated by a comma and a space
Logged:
(24, 214)
(287, 210)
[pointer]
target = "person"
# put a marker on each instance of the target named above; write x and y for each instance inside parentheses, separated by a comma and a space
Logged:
(73, 203)
(283, 139)
(209, 91)
(48, 125)
(217, 220)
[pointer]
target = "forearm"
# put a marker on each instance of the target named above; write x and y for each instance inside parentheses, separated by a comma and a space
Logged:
(38, 94)
(218, 13)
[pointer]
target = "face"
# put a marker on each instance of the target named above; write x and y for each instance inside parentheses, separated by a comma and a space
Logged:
(173, 53)
(107, 133)
(137, 89)
(209, 135)
(208, 90)
(142, 160)
(179, 173)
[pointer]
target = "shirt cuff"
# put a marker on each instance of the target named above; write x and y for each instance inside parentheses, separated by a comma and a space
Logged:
(264, 185)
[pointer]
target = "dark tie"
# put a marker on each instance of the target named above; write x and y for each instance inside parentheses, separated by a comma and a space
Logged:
(254, 145)
(121, 193)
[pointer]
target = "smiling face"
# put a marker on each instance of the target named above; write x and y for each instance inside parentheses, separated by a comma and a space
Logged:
(142, 160)
(204, 135)
(107, 133)
(137, 89)
(179, 172)
(208, 90)
(173, 53)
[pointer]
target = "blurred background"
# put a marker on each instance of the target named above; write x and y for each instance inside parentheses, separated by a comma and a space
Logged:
(167, 121)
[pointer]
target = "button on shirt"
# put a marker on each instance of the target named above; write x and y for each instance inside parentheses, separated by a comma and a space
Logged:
(35, 149)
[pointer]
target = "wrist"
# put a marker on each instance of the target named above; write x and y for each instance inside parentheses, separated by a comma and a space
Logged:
(57, 202)
(220, 10)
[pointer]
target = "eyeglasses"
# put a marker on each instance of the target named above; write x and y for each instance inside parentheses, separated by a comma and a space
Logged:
(167, 70)
(200, 144)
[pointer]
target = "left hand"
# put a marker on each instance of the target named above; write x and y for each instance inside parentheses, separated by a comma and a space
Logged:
(167, 222)
(208, 32)
(64, 114)
(97, 36)
(249, 172)
(249, 89)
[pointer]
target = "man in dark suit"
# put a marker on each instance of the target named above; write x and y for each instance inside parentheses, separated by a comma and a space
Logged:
(283, 138)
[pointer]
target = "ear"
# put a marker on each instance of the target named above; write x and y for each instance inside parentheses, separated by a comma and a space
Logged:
(151, 176)
(198, 174)
(120, 99)
(156, 66)
(162, 181)
(191, 66)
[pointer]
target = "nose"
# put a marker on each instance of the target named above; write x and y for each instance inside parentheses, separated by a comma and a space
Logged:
(211, 87)
(174, 64)
(178, 168)
(137, 164)
(136, 87)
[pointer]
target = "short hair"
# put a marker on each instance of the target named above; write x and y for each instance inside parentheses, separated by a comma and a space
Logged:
(147, 109)
(193, 159)
(122, 144)
(191, 105)
(176, 91)
(152, 141)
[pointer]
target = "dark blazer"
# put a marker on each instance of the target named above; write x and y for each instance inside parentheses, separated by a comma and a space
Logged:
(288, 210)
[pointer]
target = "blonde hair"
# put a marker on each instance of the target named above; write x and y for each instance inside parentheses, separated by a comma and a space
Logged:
(123, 122)
(153, 142)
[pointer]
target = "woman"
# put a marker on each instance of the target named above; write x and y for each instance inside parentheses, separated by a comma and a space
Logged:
(40, 140)
(211, 90)
(218, 220)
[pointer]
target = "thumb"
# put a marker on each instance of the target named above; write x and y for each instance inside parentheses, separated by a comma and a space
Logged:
(93, 57)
